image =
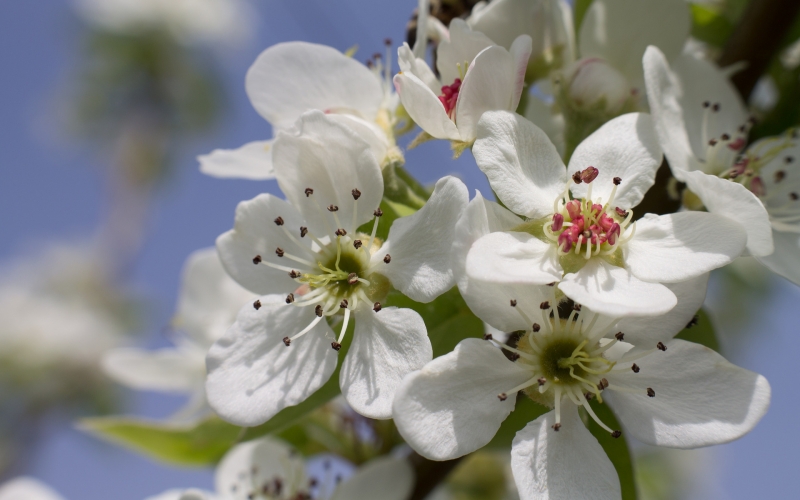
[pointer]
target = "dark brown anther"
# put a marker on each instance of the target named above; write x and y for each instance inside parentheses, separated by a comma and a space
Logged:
(290, 298)
(387, 259)
(333, 208)
(788, 159)
(502, 396)
(340, 232)
(514, 356)
(378, 212)
(603, 384)
(343, 304)
(309, 192)
(706, 104)
(712, 142)
(552, 284)
(336, 346)
(352, 278)
(617, 181)
(279, 252)
(357, 244)
(294, 274)
(356, 194)
(487, 336)
(651, 392)
(619, 336)
(588, 396)
(793, 196)
(544, 305)
(692, 322)
(279, 221)
(303, 231)
(621, 212)
(513, 303)
(536, 327)
(715, 107)
(376, 306)
(556, 427)
(725, 137)
(387, 42)
(376, 56)
(576, 178)
(589, 174)
(661, 346)
(743, 128)
(616, 434)
(318, 310)
(635, 368)
(257, 305)
(780, 175)
(287, 341)
(541, 381)
(257, 259)
(576, 307)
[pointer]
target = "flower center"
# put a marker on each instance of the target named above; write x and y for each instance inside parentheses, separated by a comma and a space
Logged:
(449, 97)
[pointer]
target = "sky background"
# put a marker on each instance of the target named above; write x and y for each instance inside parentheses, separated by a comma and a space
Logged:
(51, 188)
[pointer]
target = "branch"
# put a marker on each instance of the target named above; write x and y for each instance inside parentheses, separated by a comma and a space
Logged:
(429, 474)
(755, 40)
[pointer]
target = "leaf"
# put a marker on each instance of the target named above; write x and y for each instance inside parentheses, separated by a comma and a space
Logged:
(710, 25)
(616, 448)
(525, 412)
(701, 333)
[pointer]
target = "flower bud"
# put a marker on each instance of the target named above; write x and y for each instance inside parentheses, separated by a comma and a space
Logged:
(594, 85)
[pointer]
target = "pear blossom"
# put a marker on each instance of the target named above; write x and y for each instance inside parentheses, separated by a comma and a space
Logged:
(703, 130)
(580, 229)
(664, 391)
(290, 78)
(310, 249)
(27, 488)
(208, 303)
(267, 469)
(476, 75)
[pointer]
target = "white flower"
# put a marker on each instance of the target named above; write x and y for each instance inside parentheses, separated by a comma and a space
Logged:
(288, 79)
(476, 75)
(26, 488)
(208, 303)
(268, 469)
(588, 241)
(665, 392)
(310, 250)
(189, 21)
(702, 125)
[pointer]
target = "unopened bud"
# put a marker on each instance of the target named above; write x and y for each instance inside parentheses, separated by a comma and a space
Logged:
(592, 82)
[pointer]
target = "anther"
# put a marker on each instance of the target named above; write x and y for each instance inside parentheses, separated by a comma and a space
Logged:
(279, 221)
(619, 336)
(692, 322)
(556, 427)
(536, 327)
(309, 192)
(715, 107)
(343, 304)
(587, 234)
(356, 194)
(576, 178)
(788, 159)
(793, 196)
(621, 212)
(279, 252)
(635, 368)
(706, 104)
(602, 384)
(513, 303)
(352, 278)
(589, 174)
(357, 244)
(333, 208)
(287, 341)
(544, 305)
(340, 232)
(712, 142)
(378, 212)
(303, 231)
(336, 346)
(487, 336)
(294, 274)
(588, 396)
(290, 298)
(257, 259)
(725, 137)
(387, 42)
(617, 181)
(257, 305)
(553, 283)
(651, 392)
(318, 310)
(780, 175)
(502, 396)
(376, 306)
(576, 307)
(616, 434)
(541, 381)
(661, 346)
(558, 222)
(387, 259)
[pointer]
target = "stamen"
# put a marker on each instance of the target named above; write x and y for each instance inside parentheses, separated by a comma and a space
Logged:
(303, 331)
(376, 306)
(257, 305)
(344, 324)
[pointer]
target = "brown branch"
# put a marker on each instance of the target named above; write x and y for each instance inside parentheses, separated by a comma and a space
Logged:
(757, 38)
(429, 474)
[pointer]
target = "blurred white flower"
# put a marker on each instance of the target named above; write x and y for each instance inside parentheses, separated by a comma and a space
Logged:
(208, 303)
(27, 488)
(188, 21)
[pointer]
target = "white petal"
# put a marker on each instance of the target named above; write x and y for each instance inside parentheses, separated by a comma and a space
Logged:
(418, 67)
(491, 84)
(522, 165)
(255, 233)
(785, 260)
(677, 247)
(176, 494)
(252, 375)
(424, 107)
(731, 199)
(625, 147)
(291, 78)
(386, 346)
(569, 463)
(520, 53)
(619, 31)
(387, 478)
(450, 407)
(323, 154)
(510, 257)
(251, 161)
(648, 331)
(367, 131)
(614, 291)
(700, 398)
(268, 457)
(462, 48)
(27, 488)
(419, 244)
(209, 299)
(169, 370)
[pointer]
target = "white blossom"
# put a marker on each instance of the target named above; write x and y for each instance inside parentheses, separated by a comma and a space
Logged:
(27, 488)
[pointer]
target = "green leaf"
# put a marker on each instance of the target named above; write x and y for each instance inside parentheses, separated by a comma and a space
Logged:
(524, 412)
(710, 25)
(701, 333)
(616, 448)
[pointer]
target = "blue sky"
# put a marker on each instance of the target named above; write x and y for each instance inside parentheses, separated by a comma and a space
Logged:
(50, 188)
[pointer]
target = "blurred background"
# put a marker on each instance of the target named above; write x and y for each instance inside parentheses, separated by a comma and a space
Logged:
(101, 200)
